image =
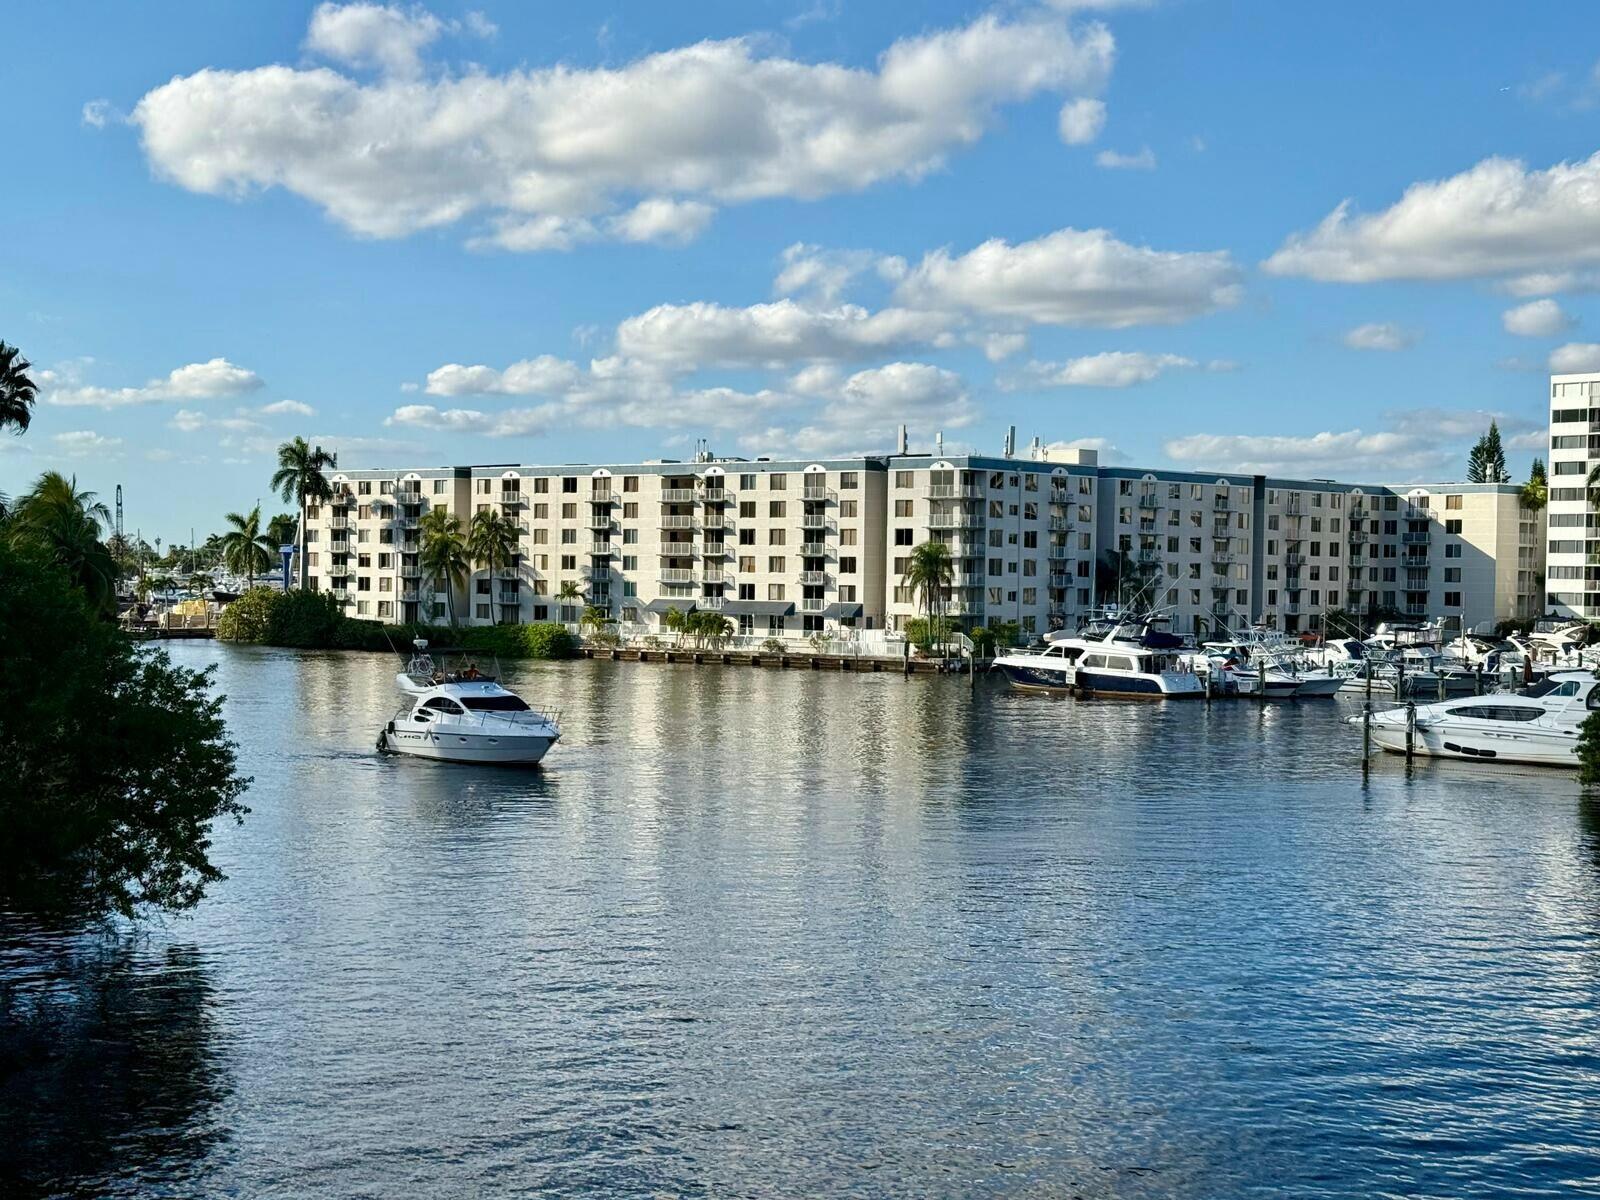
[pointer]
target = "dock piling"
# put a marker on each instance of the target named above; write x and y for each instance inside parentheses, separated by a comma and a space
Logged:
(1411, 729)
(1366, 739)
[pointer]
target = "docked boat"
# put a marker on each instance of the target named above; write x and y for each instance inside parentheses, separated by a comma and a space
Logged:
(1114, 656)
(463, 715)
(1538, 725)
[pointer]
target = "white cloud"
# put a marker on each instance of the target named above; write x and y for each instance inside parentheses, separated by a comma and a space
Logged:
(1420, 443)
(1575, 358)
(1075, 277)
(456, 420)
(1496, 219)
(683, 337)
(820, 379)
(545, 154)
(196, 381)
(1112, 369)
(373, 35)
(869, 407)
(663, 221)
(479, 25)
(819, 274)
(997, 347)
(1537, 318)
(545, 375)
(188, 420)
(97, 114)
(1380, 335)
(288, 408)
(1081, 120)
(85, 443)
(1542, 283)
(1143, 159)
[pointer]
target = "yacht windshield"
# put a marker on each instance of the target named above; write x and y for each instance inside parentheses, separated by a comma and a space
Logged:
(506, 703)
(1546, 686)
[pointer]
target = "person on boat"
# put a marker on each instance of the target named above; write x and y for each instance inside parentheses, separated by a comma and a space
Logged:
(471, 672)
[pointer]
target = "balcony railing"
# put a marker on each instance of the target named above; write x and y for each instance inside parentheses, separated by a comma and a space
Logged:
(1060, 579)
(343, 499)
(602, 548)
(715, 495)
(509, 599)
(1061, 524)
(1415, 539)
(1151, 502)
(814, 578)
(676, 575)
(679, 550)
(710, 601)
(808, 605)
(953, 491)
(407, 520)
(954, 520)
(671, 521)
(411, 571)
(602, 521)
(1059, 553)
(719, 550)
(819, 521)
(818, 493)
(815, 550)
(715, 578)
(1146, 557)
(1220, 503)
(1222, 558)
(510, 497)
(1295, 560)
(601, 495)
(679, 495)
(1294, 505)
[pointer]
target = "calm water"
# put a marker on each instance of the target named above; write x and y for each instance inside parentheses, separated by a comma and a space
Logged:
(758, 933)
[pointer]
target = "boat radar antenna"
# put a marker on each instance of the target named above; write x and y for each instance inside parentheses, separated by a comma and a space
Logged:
(420, 643)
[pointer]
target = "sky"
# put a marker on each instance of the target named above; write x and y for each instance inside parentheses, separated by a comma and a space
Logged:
(1316, 241)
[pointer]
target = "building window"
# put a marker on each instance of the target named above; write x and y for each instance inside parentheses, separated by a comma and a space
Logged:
(903, 479)
(902, 537)
(1452, 599)
(777, 482)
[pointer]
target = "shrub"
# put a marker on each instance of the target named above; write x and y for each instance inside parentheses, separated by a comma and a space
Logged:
(923, 632)
(116, 761)
(772, 646)
(1589, 750)
(249, 618)
(983, 642)
(304, 619)
(546, 640)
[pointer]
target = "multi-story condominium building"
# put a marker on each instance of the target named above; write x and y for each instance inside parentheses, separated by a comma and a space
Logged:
(1021, 534)
(1573, 562)
(790, 548)
(779, 547)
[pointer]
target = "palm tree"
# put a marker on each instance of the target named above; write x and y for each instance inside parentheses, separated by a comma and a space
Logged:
(282, 529)
(245, 549)
(492, 543)
(17, 391)
(674, 620)
(300, 478)
(1536, 492)
(929, 574)
(595, 617)
(63, 523)
(443, 554)
(570, 593)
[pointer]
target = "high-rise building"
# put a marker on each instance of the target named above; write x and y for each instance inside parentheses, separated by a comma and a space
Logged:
(1572, 566)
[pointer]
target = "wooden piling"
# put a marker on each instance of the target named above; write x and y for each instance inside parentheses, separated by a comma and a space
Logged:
(1411, 729)
(1366, 739)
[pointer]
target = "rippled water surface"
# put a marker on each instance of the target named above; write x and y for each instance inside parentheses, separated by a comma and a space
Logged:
(756, 933)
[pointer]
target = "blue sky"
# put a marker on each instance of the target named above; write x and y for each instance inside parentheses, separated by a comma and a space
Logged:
(533, 233)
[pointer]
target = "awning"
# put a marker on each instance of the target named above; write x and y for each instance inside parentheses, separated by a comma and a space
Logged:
(661, 606)
(841, 612)
(758, 608)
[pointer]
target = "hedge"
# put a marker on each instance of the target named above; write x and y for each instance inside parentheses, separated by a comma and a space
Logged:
(313, 621)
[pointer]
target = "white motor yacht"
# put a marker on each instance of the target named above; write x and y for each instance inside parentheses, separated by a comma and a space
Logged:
(465, 716)
(1115, 656)
(1537, 725)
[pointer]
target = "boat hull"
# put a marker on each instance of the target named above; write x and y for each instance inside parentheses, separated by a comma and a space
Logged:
(489, 749)
(1450, 740)
(1030, 678)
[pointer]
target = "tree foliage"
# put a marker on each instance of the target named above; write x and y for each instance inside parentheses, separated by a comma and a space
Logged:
(116, 761)
(1536, 492)
(300, 478)
(245, 549)
(1589, 751)
(443, 555)
(17, 390)
(1486, 462)
(63, 524)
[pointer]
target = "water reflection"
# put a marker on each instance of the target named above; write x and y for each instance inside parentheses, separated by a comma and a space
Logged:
(109, 1063)
(756, 932)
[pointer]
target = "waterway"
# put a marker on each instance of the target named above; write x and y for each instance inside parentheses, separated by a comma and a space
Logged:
(759, 933)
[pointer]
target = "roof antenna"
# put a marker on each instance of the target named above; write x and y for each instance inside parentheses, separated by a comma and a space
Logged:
(900, 444)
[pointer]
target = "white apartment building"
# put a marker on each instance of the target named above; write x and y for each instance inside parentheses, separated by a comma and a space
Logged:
(1573, 562)
(791, 548)
(785, 548)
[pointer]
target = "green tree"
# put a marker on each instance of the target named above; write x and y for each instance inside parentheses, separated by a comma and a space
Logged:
(17, 390)
(443, 555)
(1589, 751)
(674, 620)
(116, 762)
(245, 549)
(595, 617)
(63, 523)
(1486, 462)
(300, 477)
(282, 530)
(1536, 492)
(929, 574)
(570, 594)
(492, 544)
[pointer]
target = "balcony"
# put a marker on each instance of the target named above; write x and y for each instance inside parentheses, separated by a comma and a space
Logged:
(1293, 560)
(601, 521)
(808, 605)
(1060, 579)
(672, 575)
(1220, 503)
(1222, 558)
(679, 550)
(1059, 553)
(715, 495)
(1294, 504)
(1061, 524)
(719, 550)
(817, 494)
(407, 520)
(601, 495)
(954, 520)
(599, 548)
(1415, 539)
(411, 571)
(1415, 610)
(1357, 538)
(1149, 502)
(337, 572)
(815, 550)
(509, 599)
(1060, 495)
(715, 578)
(338, 522)
(1292, 607)
(343, 499)
(597, 573)
(679, 495)
(814, 579)
(710, 601)
(820, 521)
(1147, 558)
(1357, 513)
(670, 521)
(511, 497)
(953, 491)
